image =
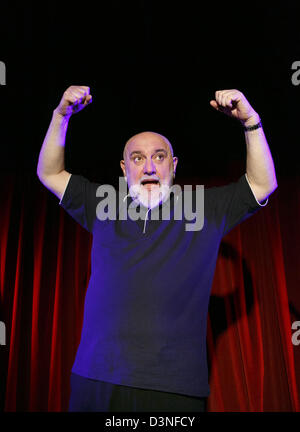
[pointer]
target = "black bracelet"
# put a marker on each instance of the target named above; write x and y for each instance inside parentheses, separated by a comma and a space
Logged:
(251, 128)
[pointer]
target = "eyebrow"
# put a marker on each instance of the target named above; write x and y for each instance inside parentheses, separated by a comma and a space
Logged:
(139, 152)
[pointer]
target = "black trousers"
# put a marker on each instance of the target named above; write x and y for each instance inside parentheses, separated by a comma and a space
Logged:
(93, 395)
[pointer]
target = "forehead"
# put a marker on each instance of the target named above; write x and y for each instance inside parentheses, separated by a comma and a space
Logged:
(146, 142)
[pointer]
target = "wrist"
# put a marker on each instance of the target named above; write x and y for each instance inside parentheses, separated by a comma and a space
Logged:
(58, 116)
(251, 121)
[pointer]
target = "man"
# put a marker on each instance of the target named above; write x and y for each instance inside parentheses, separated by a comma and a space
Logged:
(143, 342)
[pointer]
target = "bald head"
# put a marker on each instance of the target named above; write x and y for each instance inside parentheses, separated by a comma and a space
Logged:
(145, 137)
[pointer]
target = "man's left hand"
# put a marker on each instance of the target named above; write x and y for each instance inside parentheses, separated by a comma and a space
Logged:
(234, 104)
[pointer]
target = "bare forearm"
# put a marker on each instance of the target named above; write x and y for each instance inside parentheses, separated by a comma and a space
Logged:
(51, 165)
(260, 168)
(259, 164)
(52, 154)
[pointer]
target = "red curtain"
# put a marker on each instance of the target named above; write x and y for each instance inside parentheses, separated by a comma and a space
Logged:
(45, 267)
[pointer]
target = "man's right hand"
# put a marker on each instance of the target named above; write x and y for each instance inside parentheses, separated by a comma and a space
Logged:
(74, 99)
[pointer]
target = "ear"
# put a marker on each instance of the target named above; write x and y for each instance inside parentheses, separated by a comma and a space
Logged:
(122, 164)
(175, 161)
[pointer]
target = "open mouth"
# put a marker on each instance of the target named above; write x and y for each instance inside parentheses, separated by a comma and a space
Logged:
(150, 182)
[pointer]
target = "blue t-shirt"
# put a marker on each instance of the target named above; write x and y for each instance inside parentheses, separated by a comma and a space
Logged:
(146, 305)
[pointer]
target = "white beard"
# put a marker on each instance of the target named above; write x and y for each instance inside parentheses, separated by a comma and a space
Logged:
(150, 198)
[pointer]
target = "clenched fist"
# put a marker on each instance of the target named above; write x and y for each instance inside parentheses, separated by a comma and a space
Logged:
(234, 104)
(74, 99)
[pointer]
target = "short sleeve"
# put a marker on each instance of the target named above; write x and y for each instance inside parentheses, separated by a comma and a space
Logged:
(233, 203)
(79, 200)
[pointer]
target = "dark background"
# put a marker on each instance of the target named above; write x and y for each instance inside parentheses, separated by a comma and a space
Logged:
(151, 66)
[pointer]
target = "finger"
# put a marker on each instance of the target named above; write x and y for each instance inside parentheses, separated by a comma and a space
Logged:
(85, 89)
(217, 106)
(214, 104)
(80, 96)
(234, 95)
(223, 100)
(76, 87)
(75, 99)
(220, 98)
(71, 98)
(88, 100)
(234, 100)
(228, 100)
(78, 91)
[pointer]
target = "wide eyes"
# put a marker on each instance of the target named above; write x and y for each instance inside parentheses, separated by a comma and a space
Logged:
(159, 157)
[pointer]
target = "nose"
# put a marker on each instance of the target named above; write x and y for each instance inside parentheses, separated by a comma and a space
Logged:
(149, 167)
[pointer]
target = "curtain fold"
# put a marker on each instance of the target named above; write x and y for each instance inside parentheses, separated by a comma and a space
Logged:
(44, 273)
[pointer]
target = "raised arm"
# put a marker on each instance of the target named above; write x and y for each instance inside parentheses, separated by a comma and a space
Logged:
(51, 164)
(259, 165)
